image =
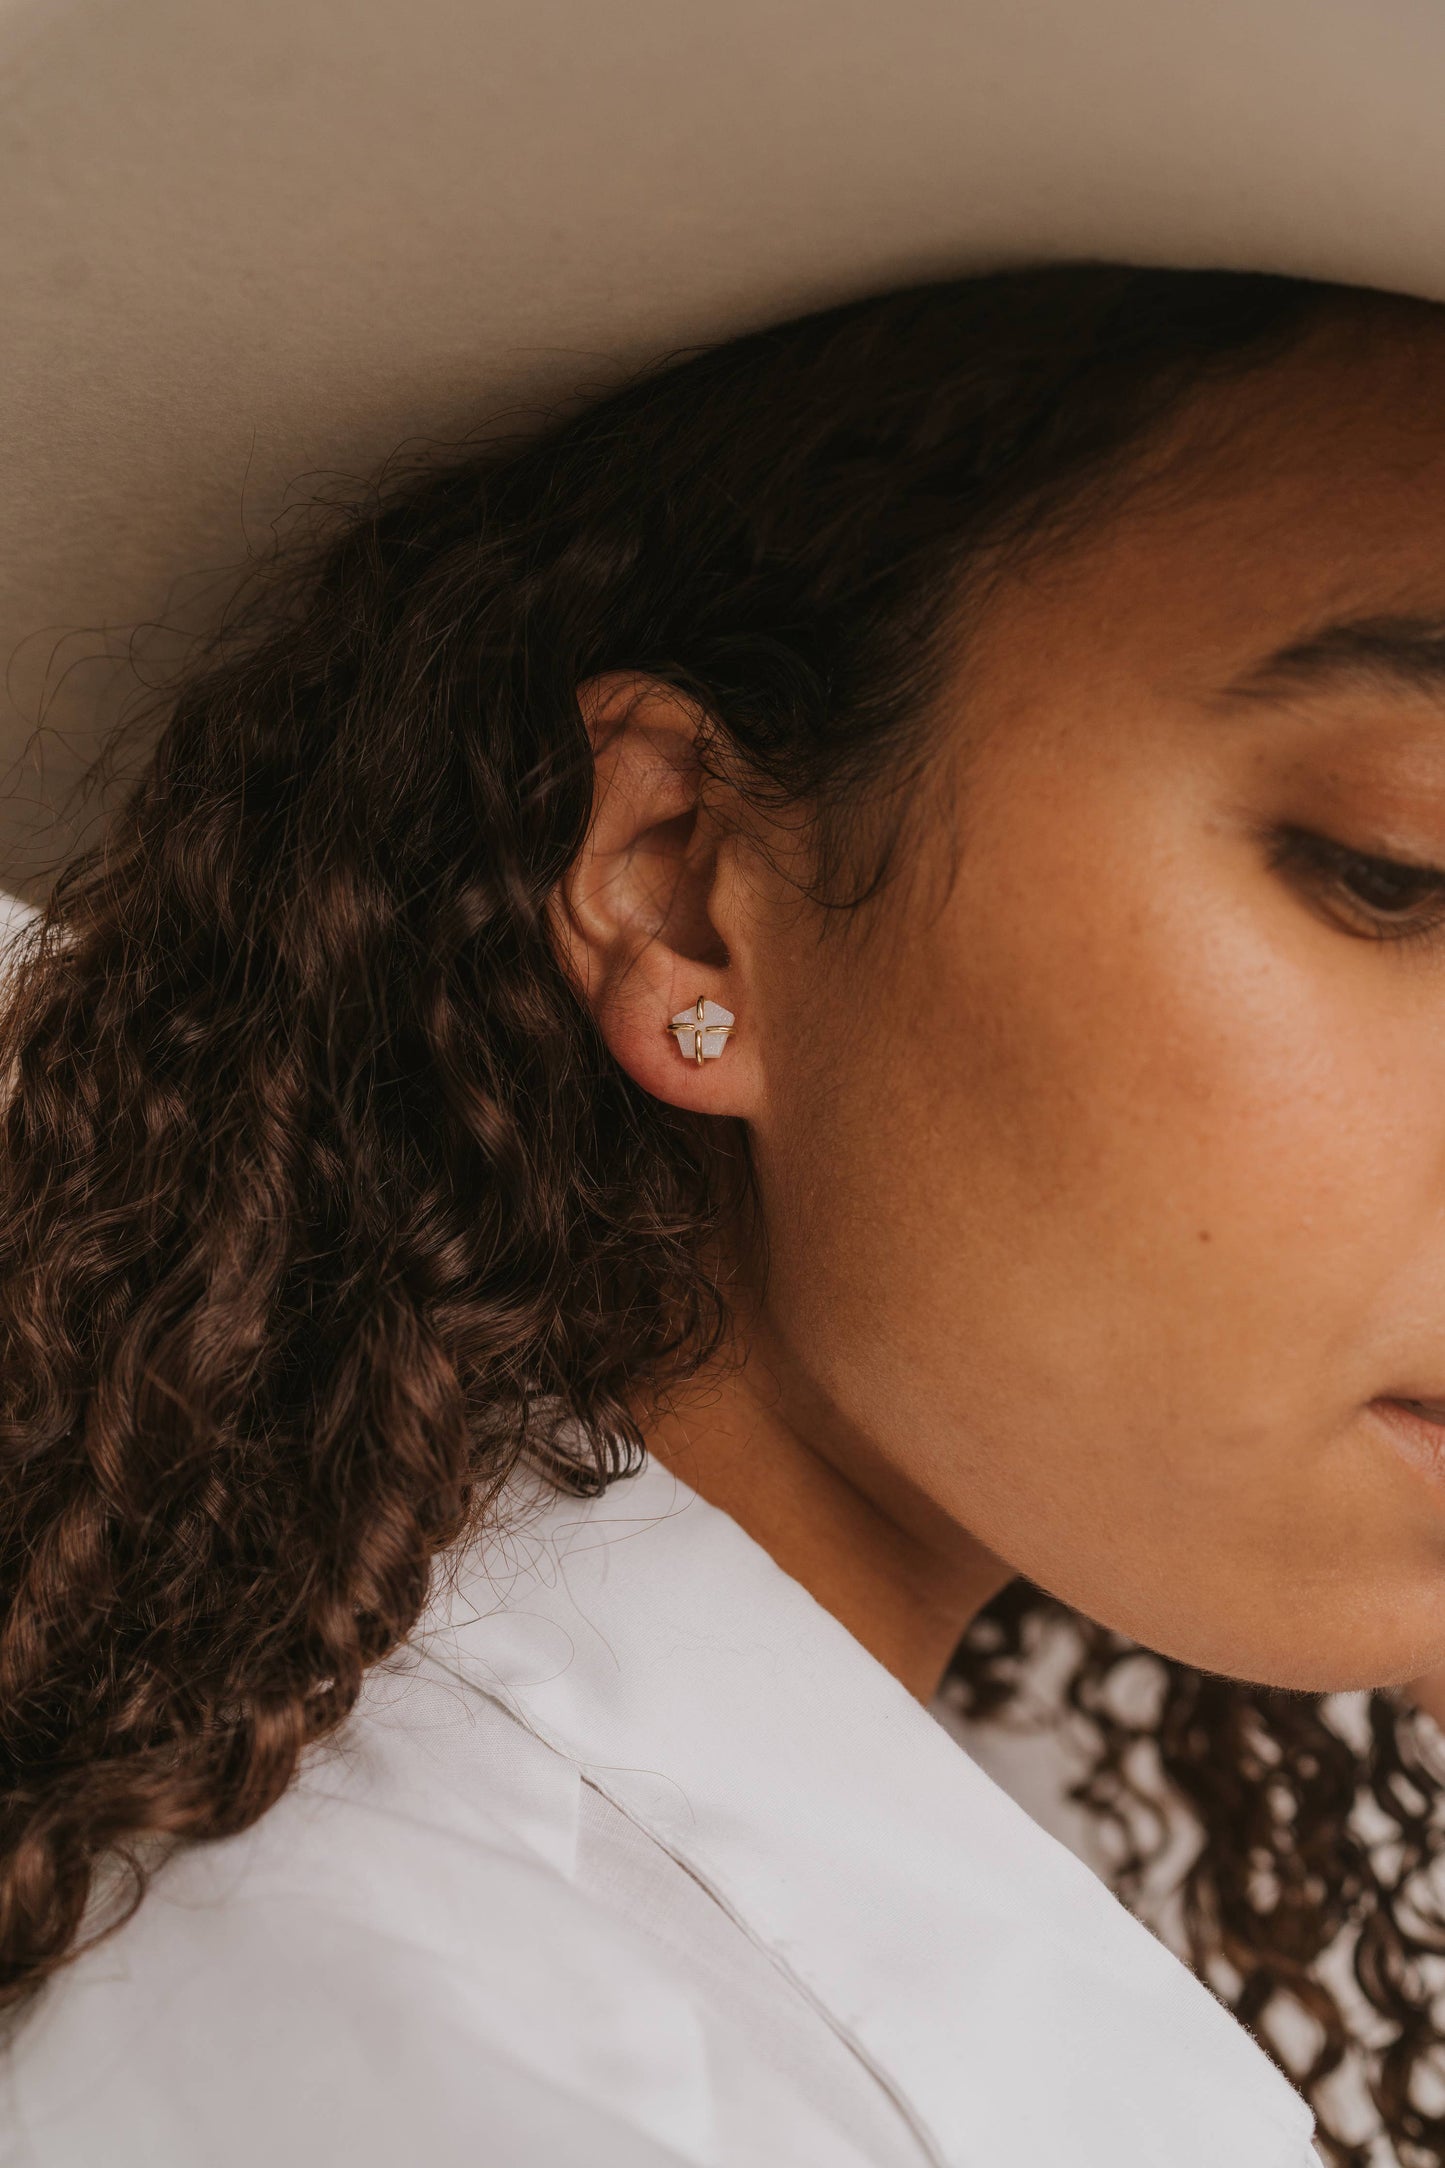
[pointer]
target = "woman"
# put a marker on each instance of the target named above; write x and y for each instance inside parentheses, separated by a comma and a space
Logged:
(718, 1046)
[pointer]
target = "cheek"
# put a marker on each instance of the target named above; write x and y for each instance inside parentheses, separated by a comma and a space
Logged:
(1186, 1118)
(1106, 1126)
(1106, 1197)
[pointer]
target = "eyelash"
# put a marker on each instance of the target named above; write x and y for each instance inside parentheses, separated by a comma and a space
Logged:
(1322, 860)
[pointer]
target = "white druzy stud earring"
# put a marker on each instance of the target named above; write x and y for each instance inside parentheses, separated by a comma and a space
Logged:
(702, 1032)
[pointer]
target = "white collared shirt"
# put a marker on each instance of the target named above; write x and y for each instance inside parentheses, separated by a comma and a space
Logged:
(635, 1858)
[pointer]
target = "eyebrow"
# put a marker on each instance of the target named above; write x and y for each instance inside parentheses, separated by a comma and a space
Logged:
(1384, 654)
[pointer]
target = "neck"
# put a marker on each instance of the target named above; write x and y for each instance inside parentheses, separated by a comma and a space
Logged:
(750, 1438)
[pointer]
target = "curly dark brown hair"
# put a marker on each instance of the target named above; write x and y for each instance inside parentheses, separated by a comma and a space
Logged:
(321, 1198)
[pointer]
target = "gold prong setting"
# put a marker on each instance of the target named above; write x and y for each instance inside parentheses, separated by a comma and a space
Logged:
(702, 1031)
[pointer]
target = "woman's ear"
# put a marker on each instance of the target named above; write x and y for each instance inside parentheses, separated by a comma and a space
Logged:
(650, 914)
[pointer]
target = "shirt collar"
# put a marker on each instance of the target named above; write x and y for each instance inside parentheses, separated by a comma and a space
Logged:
(1014, 2008)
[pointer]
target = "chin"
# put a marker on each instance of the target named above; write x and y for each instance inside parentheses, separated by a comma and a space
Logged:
(1300, 1627)
(1381, 1639)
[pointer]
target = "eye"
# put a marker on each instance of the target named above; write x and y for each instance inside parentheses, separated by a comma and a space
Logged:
(1387, 899)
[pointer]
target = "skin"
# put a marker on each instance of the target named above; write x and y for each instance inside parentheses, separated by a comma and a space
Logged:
(1102, 1160)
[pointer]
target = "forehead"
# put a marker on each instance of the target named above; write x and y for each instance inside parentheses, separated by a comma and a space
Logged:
(1311, 486)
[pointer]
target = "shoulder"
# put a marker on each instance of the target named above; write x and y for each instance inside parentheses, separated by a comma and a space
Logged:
(379, 1970)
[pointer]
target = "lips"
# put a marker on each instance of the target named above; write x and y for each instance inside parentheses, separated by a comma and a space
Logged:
(1432, 1411)
(1416, 1428)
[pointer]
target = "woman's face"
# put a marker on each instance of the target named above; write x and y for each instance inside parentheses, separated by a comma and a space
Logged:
(1106, 1186)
